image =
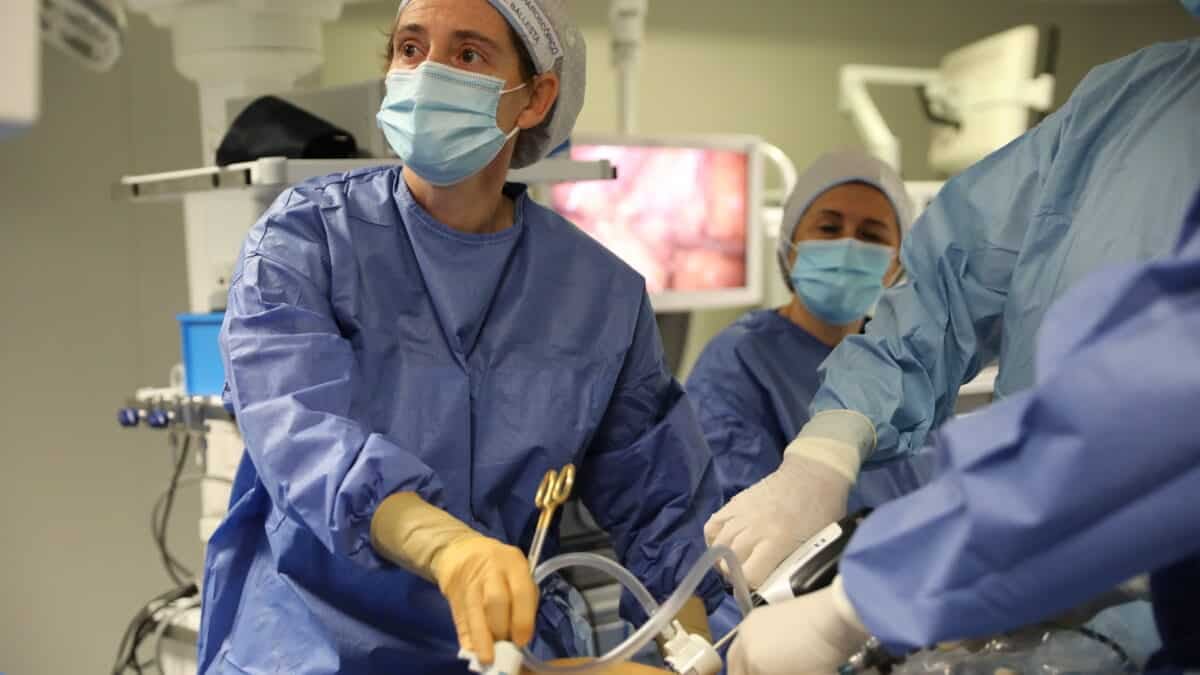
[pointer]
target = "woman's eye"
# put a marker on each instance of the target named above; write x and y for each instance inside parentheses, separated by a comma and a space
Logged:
(470, 56)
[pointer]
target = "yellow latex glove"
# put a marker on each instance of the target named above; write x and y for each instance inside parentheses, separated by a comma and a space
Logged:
(487, 582)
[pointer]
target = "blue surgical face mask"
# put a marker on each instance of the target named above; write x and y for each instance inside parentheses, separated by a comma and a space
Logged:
(1192, 6)
(839, 280)
(441, 121)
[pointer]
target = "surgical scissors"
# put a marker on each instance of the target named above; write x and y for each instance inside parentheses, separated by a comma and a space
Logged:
(552, 493)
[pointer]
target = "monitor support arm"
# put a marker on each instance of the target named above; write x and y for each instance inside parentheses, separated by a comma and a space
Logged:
(855, 100)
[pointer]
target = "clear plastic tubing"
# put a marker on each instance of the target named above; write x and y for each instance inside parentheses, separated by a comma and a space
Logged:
(660, 616)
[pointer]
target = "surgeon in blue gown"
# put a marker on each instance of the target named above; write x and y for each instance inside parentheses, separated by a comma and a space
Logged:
(409, 351)
(1102, 181)
(753, 383)
(1046, 499)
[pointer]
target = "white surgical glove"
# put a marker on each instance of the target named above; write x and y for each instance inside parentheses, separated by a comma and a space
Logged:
(815, 633)
(769, 520)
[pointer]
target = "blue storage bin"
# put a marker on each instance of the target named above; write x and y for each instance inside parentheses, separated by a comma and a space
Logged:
(203, 373)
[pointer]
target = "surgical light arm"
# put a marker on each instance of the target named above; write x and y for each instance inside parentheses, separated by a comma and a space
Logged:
(855, 100)
(627, 19)
(20, 66)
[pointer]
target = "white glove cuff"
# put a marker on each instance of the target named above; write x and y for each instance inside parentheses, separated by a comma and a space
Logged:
(838, 456)
(839, 439)
(847, 426)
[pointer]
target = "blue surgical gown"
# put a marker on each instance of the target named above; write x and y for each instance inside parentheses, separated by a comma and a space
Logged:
(1055, 495)
(370, 349)
(1104, 180)
(752, 387)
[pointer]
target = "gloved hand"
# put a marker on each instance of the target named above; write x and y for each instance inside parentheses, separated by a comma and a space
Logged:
(487, 582)
(815, 633)
(491, 593)
(769, 520)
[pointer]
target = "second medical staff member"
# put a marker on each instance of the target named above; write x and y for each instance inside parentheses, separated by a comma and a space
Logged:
(1045, 500)
(753, 384)
(1104, 180)
(409, 351)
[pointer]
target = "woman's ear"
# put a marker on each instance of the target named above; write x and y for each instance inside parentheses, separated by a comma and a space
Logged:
(544, 92)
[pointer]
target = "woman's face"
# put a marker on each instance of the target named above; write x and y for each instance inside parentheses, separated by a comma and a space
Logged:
(471, 35)
(852, 210)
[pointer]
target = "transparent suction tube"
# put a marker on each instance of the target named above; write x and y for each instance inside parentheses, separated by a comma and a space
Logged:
(660, 616)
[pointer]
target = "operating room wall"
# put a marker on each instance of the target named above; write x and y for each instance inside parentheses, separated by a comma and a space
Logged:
(88, 291)
(769, 67)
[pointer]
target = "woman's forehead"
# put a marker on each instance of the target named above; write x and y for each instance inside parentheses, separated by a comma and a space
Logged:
(857, 200)
(464, 16)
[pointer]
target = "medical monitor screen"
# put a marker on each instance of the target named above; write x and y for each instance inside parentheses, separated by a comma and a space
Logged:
(681, 215)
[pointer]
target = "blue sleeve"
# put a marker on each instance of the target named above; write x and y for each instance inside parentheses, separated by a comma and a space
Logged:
(292, 377)
(648, 476)
(732, 418)
(743, 452)
(937, 331)
(1059, 494)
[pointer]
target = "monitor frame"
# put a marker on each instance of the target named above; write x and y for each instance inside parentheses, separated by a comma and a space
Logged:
(751, 292)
